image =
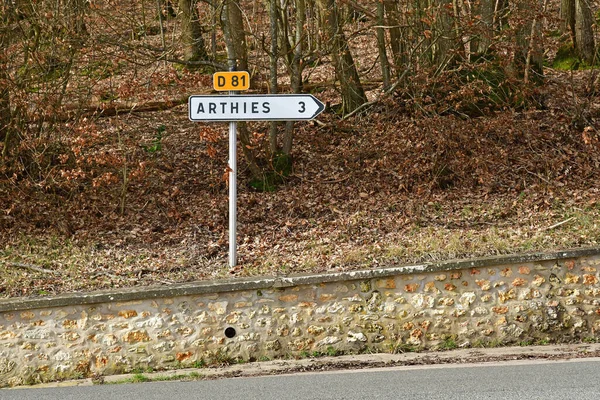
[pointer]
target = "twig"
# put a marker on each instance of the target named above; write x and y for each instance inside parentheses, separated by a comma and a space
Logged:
(358, 7)
(31, 267)
(321, 182)
(217, 65)
(322, 124)
(559, 224)
(103, 273)
(389, 26)
(162, 29)
(538, 176)
(144, 206)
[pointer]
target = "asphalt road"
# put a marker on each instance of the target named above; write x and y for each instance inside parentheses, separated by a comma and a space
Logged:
(547, 380)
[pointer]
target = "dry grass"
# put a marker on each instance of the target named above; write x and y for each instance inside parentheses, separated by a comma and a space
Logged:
(74, 265)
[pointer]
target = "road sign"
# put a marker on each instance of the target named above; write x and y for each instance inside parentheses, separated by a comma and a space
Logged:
(233, 108)
(267, 107)
(231, 81)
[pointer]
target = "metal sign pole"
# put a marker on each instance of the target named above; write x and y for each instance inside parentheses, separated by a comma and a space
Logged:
(232, 192)
(232, 182)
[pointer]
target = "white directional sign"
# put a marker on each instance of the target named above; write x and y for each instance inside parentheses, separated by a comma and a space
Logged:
(233, 108)
(276, 107)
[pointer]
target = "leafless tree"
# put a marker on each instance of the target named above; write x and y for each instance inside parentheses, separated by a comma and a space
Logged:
(353, 95)
(191, 32)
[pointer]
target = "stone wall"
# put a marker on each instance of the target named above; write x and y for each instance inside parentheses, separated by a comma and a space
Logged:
(483, 302)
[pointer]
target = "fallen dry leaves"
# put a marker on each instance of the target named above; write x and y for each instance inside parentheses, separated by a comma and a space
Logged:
(379, 190)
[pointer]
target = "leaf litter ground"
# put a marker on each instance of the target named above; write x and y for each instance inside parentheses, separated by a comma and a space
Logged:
(380, 189)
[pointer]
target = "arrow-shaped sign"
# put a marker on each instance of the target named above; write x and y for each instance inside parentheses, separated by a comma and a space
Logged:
(275, 107)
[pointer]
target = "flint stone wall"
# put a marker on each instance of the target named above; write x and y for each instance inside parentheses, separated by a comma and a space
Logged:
(492, 301)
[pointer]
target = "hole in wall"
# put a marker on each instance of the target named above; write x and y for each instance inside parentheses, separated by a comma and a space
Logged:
(230, 332)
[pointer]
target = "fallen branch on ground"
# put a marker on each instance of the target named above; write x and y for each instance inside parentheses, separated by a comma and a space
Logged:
(559, 224)
(31, 267)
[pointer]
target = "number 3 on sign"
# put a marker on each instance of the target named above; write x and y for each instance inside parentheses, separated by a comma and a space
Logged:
(231, 81)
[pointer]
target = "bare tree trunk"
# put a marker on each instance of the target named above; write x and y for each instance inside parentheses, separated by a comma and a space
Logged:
(237, 53)
(213, 33)
(501, 11)
(273, 57)
(381, 44)
(296, 69)
(191, 32)
(5, 114)
(584, 34)
(485, 11)
(234, 24)
(353, 95)
(567, 14)
(445, 36)
(6, 132)
(419, 18)
(397, 42)
(285, 37)
(530, 52)
(75, 10)
(316, 42)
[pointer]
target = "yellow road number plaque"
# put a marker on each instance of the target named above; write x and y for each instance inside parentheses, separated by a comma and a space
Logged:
(231, 81)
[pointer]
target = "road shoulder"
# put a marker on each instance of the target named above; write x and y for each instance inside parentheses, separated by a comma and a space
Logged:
(346, 362)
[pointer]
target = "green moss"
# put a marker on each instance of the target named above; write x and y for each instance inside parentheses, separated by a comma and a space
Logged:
(101, 69)
(491, 87)
(220, 358)
(140, 378)
(449, 344)
(333, 352)
(556, 33)
(198, 68)
(405, 348)
(566, 59)
(280, 168)
(140, 370)
(268, 183)
(365, 286)
(488, 343)
(282, 164)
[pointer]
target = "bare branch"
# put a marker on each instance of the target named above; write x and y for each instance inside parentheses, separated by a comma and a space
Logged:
(219, 66)
(30, 267)
(358, 7)
(559, 224)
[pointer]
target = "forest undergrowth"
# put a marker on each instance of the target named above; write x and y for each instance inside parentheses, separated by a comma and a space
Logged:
(138, 196)
(376, 190)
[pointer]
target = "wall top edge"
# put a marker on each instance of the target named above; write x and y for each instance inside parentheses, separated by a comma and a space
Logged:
(261, 283)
